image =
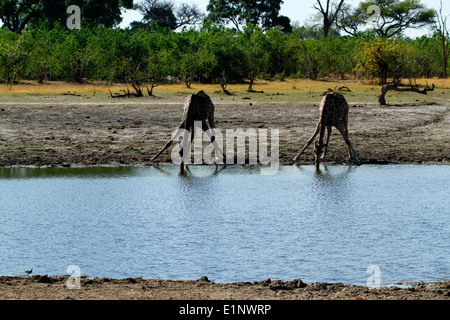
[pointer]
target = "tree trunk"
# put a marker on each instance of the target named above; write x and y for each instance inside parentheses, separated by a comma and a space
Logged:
(150, 91)
(445, 52)
(223, 86)
(137, 89)
(250, 86)
(382, 97)
(223, 83)
(326, 26)
(394, 87)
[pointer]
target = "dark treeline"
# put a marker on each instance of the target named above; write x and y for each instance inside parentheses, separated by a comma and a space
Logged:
(208, 55)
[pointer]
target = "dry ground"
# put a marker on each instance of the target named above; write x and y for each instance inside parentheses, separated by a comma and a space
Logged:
(55, 288)
(67, 130)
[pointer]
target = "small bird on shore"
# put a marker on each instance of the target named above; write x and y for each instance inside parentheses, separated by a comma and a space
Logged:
(28, 271)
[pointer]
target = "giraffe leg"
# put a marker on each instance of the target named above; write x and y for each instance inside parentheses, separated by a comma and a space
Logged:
(319, 146)
(182, 145)
(220, 153)
(347, 141)
(345, 124)
(182, 170)
(212, 126)
(191, 129)
(308, 143)
(162, 150)
(326, 143)
(168, 144)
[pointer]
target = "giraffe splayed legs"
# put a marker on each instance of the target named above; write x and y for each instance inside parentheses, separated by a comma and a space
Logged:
(333, 112)
(197, 107)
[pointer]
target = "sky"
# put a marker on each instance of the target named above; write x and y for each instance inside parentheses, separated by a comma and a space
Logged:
(298, 11)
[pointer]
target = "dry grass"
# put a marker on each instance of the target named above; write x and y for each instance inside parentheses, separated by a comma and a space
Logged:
(288, 90)
(56, 87)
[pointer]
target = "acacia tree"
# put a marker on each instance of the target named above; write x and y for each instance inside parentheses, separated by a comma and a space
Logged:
(395, 16)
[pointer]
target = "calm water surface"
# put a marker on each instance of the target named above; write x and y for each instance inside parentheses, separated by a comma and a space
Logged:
(228, 223)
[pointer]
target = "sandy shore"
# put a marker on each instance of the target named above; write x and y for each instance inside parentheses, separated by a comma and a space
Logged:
(55, 288)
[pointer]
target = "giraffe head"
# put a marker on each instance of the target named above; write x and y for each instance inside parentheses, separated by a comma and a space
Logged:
(318, 149)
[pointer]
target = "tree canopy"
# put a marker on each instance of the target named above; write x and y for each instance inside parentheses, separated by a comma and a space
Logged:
(164, 13)
(263, 13)
(395, 16)
(16, 15)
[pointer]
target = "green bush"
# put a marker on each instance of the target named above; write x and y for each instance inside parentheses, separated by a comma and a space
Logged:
(211, 55)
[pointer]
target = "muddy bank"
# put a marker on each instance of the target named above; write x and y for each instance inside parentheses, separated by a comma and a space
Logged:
(130, 132)
(55, 288)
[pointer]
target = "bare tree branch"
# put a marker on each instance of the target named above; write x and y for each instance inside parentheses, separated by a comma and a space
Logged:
(188, 15)
(329, 16)
(394, 86)
(165, 10)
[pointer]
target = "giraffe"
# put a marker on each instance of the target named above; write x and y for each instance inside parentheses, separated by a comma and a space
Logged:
(333, 112)
(197, 107)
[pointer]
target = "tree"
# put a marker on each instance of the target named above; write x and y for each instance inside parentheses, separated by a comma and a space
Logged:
(382, 57)
(395, 16)
(164, 14)
(38, 48)
(73, 64)
(18, 14)
(105, 13)
(263, 13)
(316, 32)
(224, 57)
(255, 47)
(329, 14)
(12, 57)
(443, 34)
(424, 59)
